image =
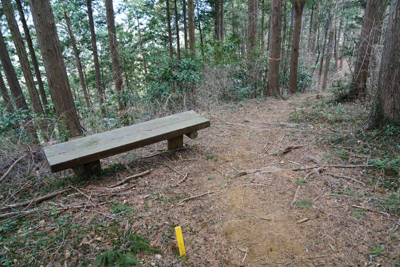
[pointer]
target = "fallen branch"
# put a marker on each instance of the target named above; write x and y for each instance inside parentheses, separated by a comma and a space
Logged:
(36, 200)
(129, 178)
(12, 166)
(262, 170)
(331, 166)
(298, 188)
(184, 178)
(368, 209)
(295, 196)
(290, 148)
(173, 169)
(193, 197)
(345, 177)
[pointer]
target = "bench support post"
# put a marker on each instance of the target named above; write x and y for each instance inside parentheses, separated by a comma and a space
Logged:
(175, 142)
(88, 168)
(192, 135)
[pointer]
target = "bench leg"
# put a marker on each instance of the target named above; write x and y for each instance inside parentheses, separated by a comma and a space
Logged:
(192, 135)
(176, 142)
(88, 169)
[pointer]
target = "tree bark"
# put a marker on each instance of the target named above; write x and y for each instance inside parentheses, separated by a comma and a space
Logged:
(57, 78)
(112, 36)
(77, 60)
(310, 28)
(192, 39)
(369, 29)
(33, 57)
(23, 57)
(99, 87)
(171, 50)
(328, 60)
(216, 20)
(343, 50)
(321, 64)
(284, 30)
(262, 38)
(253, 14)
(185, 28)
(5, 95)
(294, 62)
(387, 107)
(222, 24)
(178, 46)
(275, 47)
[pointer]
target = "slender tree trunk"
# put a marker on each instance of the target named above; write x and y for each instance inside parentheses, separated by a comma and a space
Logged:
(33, 57)
(328, 59)
(192, 38)
(275, 47)
(201, 40)
(294, 63)
(310, 30)
(141, 49)
(23, 57)
(337, 40)
(222, 29)
(369, 29)
(112, 36)
(262, 37)
(171, 50)
(77, 60)
(185, 28)
(99, 86)
(269, 32)
(321, 64)
(6, 96)
(387, 107)
(57, 78)
(343, 51)
(313, 37)
(178, 47)
(216, 20)
(253, 14)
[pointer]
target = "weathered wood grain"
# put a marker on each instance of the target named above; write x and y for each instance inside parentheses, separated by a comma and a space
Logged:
(91, 148)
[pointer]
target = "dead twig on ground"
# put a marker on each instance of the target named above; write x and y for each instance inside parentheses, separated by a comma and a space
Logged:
(184, 178)
(262, 170)
(332, 166)
(128, 169)
(12, 166)
(36, 200)
(290, 148)
(295, 196)
(369, 209)
(193, 197)
(305, 178)
(173, 169)
(129, 178)
(345, 177)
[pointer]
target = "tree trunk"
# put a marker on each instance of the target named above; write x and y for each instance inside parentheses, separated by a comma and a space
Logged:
(192, 40)
(5, 95)
(185, 28)
(112, 36)
(57, 78)
(222, 29)
(262, 38)
(77, 60)
(328, 60)
(171, 50)
(33, 57)
(23, 57)
(313, 36)
(216, 20)
(294, 63)
(337, 41)
(269, 32)
(369, 29)
(275, 47)
(388, 96)
(178, 47)
(141, 49)
(253, 14)
(343, 50)
(284, 30)
(310, 30)
(321, 64)
(96, 59)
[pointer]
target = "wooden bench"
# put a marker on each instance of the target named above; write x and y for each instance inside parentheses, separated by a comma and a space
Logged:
(85, 153)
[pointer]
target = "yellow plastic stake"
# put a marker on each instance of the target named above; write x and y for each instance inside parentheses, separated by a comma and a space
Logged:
(179, 239)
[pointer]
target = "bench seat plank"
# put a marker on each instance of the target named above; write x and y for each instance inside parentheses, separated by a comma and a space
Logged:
(91, 148)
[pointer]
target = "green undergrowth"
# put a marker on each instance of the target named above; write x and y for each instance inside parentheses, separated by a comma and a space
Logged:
(339, 127)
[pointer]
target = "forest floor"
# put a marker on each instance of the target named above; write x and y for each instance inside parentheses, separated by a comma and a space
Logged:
(266, 191)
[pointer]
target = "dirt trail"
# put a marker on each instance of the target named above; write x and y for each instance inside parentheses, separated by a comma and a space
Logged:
(253, 219)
